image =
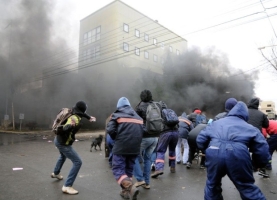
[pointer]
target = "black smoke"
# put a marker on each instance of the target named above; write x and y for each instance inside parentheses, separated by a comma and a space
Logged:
(32, 54)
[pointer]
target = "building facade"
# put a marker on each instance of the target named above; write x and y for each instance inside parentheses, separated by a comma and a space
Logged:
(268, 108)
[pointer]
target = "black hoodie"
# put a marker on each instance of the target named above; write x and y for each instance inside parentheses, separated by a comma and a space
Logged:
(256, 117)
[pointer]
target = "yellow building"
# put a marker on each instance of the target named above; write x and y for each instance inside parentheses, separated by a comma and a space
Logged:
(268, 108)
(119, 35)
(120, 49)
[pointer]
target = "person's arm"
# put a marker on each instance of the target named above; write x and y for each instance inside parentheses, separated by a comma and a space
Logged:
(111, 128)
(203, 138)
(265, 122)
(259, 148)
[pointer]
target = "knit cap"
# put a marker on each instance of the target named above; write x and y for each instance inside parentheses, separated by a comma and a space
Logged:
(123, 101)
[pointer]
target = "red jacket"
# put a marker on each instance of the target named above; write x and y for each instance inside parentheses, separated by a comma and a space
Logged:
(272, 128)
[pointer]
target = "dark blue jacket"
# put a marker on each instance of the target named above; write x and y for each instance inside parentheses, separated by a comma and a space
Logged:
(126, 129)
(233, 132)
(185, 126)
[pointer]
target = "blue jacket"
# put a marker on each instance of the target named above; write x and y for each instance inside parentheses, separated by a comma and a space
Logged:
(126, 129)
(185, 126)
(233, 132)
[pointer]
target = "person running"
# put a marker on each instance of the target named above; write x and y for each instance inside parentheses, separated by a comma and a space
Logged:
(185, 126)
(148, 144)
(226, 142)
(126, 129)
(168, 139)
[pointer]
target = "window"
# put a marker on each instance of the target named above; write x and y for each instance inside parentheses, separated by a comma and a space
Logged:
(92, 35)
(268, 105)
(155, 41)
(155, 57)
(268, 111)
(85, 38)
(170, 49)
(146, 37)
(125, 46)
(162, 45)
(97, 51)
(146, 54)
(137, 33)
(177, 52)
(98, 31)
(137, 51)
(126, 28)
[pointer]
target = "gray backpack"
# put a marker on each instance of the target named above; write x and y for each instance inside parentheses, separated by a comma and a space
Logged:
(154, 121)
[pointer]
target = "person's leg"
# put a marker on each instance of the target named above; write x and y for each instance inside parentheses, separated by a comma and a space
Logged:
(178, 151)
(152, 143)
(216, 169)
(60, 160)
(71, 154)
(241, 175)
(272, 143)
(161, 149)
(186, 150)
(138, 172)
(173, 139)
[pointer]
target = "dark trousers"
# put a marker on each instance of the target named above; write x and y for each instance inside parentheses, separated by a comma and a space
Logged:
(169, 140)
(272, 143)
(192, 150)
(123, 166)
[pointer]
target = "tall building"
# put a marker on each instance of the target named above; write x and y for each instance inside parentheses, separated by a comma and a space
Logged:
(119, 46)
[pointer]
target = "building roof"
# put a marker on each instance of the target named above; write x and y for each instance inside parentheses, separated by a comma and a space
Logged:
(132, 9)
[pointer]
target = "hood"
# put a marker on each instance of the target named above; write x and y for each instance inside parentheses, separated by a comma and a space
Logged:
(239, 110)
(254, 103)
(184, 114)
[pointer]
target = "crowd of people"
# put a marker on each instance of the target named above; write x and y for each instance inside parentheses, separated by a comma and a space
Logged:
(138, 144)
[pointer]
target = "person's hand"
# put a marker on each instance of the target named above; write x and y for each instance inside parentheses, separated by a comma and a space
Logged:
(92, 119)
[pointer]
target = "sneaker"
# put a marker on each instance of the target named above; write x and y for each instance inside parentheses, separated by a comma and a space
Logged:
(178, 162)
(146, 186)
(69, 190)
(153, 168)
(156, 174)
(172, 169)
(202, 166)
(60, 177)
(188, 165)
(139, 183)
(263, 173)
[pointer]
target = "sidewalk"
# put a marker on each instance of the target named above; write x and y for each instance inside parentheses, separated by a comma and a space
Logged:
(81, 134)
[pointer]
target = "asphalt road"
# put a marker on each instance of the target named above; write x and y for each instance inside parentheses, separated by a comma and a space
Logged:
(36, 154)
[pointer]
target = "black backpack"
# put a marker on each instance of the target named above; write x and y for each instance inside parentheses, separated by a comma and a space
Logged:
(154, 121)
(170, 117)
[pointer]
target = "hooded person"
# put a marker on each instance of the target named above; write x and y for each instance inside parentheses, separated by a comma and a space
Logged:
(259, 120)
(226, 144)
(185, 126)
(126, 129)
(256, 117)
(229, 104)
(64, 142)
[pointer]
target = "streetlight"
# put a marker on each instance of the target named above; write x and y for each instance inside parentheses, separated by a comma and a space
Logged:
(260, 48)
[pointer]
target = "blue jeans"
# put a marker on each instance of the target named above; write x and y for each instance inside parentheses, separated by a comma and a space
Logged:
(147, 146)
(67, 151)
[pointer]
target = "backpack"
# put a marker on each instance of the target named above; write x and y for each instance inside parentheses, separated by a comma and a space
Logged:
(200, 119)
(60, 120)
(170, 117)
(154, 121)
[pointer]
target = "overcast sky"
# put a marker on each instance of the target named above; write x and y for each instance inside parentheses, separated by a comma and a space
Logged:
(236, 27)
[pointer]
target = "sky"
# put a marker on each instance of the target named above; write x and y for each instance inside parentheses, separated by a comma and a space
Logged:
(235, 27)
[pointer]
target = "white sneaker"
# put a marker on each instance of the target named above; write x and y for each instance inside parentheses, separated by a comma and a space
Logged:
(69, 190)
(60, 177)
